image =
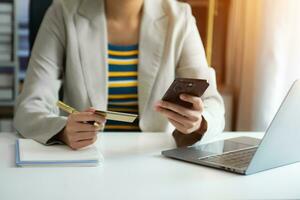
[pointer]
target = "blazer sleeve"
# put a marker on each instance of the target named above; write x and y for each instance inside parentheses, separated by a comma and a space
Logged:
(36, 115)
(192, 64)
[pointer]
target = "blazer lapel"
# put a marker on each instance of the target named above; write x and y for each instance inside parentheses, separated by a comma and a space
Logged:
(92, 38)
(152, 39)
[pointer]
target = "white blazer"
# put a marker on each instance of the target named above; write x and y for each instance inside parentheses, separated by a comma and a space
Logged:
(71, 49)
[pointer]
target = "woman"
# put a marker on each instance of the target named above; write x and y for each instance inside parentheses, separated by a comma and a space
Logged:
(120, 55)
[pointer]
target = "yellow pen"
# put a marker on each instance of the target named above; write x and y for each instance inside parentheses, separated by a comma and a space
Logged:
(71, 110)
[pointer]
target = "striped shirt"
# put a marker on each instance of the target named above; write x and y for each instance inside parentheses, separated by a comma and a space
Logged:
(122, 87)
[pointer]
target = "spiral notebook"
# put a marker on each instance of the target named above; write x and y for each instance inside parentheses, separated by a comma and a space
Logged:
(30, 153)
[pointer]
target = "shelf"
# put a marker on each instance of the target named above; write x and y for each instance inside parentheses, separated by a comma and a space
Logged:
(7, 103)
(7, 64)
(12, 66)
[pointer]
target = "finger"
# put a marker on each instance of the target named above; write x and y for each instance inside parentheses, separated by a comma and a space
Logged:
(95, 123)
(87, 116)
(82, 144)
(99, 119)
(98, 125)
(178, 109)
(186, 122)
(196, 101)
(93, 138)
(78, 136)
(178, 126)
(84, 127)
(174, 116)
(100, 122)
(90, 110)
(157, 106)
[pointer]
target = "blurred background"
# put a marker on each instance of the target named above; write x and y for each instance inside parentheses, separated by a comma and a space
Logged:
(254, 46)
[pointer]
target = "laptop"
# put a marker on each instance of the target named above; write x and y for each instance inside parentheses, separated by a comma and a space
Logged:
(245, 155)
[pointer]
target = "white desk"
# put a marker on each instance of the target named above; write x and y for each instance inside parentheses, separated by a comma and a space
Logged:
(134, 169)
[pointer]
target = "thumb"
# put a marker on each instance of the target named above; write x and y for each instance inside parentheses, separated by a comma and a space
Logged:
(90, 110)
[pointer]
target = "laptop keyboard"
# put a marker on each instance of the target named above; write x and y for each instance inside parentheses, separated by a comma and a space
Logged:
(237, 159)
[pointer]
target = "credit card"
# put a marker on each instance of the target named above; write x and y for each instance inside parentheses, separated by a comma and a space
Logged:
(117, 116)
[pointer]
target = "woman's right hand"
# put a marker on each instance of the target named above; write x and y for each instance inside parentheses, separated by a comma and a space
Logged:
(78, 133)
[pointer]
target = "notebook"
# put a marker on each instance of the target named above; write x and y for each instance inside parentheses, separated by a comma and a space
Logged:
(30, 153)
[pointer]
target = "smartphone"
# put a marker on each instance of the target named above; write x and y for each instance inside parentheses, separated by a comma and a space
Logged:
(193, 87)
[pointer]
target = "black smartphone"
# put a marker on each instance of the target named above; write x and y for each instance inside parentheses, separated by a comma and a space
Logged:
(194, 87)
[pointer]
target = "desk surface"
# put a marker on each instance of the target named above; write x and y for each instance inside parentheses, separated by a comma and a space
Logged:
(134, 169)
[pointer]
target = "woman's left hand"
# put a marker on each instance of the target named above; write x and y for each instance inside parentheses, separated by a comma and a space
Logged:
(185, 120)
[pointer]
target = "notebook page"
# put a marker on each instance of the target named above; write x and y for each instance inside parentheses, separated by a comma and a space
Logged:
(31, 150)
